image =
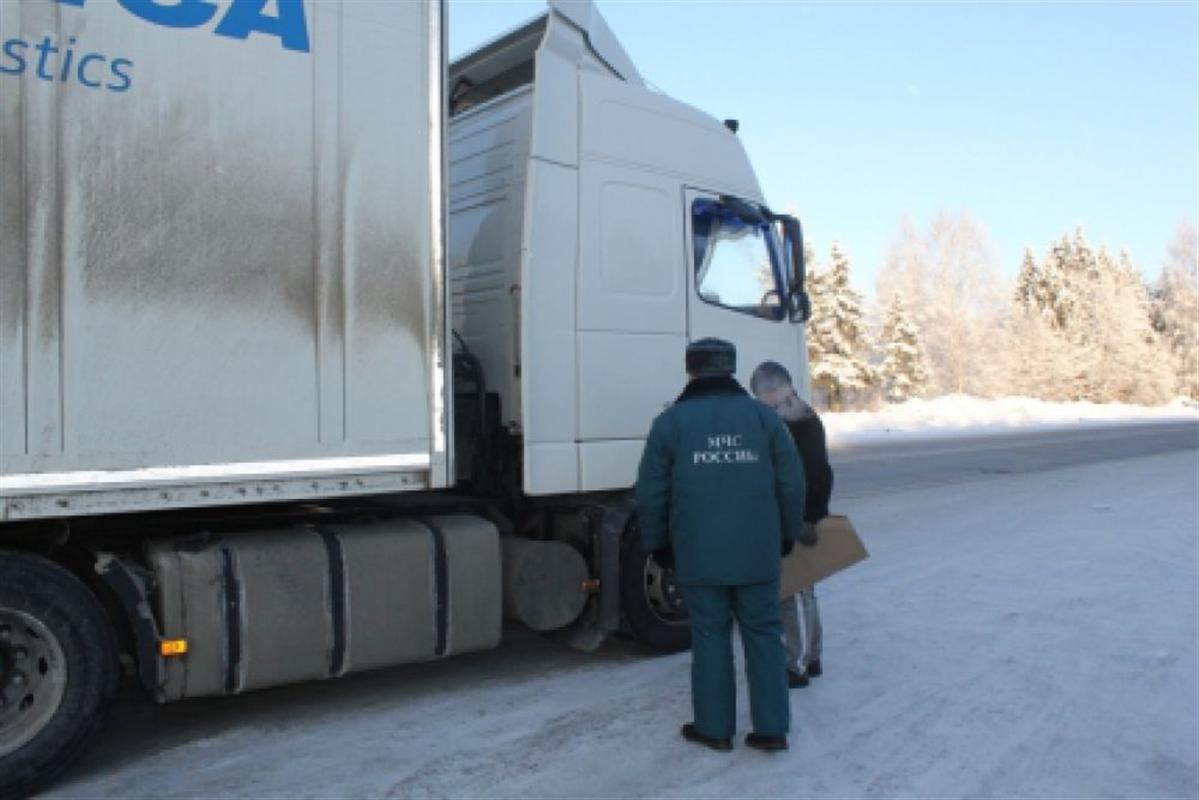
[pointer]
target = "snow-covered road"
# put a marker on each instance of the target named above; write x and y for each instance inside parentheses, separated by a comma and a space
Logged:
(1028, 635)
(910, 462)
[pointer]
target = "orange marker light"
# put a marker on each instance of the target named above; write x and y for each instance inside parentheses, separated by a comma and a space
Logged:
(172, 647)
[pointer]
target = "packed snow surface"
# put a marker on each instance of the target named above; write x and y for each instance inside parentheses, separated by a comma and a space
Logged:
(1029, 635)
(959, 415)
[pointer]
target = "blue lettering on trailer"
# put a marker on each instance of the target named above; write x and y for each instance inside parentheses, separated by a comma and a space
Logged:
(56, 61)
(243, 18)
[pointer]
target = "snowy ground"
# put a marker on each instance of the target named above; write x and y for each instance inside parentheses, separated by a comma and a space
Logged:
(955, 416)
(1016, 636)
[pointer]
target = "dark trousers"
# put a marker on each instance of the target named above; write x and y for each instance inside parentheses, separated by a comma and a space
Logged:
(713, 686)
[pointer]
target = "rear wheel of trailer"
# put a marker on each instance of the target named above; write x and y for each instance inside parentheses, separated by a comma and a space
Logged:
(58, 670)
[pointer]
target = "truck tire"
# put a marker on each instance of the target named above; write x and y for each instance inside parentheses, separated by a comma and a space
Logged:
(653, 607)
(58, 671)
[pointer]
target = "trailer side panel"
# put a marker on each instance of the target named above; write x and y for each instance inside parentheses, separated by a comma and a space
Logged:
(221, 272)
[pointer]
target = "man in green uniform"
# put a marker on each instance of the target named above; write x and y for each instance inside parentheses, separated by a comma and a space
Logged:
(720, 496)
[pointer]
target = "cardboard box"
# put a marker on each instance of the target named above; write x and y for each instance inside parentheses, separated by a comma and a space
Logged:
(838, 547)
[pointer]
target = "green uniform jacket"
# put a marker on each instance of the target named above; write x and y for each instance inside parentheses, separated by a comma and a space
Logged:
(721, 484)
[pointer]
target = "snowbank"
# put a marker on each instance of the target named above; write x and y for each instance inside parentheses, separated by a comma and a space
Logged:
(958, 415)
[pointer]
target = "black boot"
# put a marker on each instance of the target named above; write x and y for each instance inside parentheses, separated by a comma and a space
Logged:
(762, 741)
(692, 735)
(796, 680)
(815, 670)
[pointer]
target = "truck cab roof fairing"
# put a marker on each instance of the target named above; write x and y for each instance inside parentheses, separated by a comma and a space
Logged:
(586, 17)
(506, 62)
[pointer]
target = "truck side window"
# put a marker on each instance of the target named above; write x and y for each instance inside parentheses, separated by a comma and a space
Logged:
(736, 261)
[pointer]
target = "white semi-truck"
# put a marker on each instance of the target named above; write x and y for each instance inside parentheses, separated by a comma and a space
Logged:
(317, 355)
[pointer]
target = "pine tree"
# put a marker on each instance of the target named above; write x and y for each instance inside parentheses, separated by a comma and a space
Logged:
(1084, 263)
(1080, 328)
(1028, 283)
(1069, 279)
(904, 371)
(814, 330)
(837, 345)
(1142, 373)
(1056, 292)
(1039, 358)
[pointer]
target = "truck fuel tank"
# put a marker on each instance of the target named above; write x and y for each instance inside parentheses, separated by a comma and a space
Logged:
(314, 601)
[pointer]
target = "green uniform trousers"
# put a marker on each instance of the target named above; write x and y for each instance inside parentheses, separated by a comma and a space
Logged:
(713, 684)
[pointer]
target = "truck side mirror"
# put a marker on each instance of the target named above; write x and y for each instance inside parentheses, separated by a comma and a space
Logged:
(798, 302)
(799, 306)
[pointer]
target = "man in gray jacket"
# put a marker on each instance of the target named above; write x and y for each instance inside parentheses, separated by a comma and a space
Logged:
(771, 383)
(720, 496)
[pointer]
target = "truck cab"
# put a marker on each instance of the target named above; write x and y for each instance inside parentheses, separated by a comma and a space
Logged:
(596, 226)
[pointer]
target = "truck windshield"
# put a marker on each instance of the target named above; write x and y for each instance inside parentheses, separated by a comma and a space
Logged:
(737, 261)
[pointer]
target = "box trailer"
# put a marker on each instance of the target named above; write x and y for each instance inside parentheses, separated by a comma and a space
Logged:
(319, 355)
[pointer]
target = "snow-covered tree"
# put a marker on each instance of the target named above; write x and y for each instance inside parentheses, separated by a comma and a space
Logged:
(1117, 349)
(950, 280)
(1176, 309)
(1061, 277)
(1028, 283)
(903, 372)
(837, 346)
(906, 270)
(1039, 360)
(1037, 356)
(1080, 328)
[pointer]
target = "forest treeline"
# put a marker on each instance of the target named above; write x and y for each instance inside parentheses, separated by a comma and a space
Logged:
(1078, 322)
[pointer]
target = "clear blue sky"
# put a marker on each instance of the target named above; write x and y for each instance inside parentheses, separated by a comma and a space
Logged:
(1031, 116)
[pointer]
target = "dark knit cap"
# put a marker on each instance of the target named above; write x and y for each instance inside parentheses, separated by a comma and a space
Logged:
(711, 357)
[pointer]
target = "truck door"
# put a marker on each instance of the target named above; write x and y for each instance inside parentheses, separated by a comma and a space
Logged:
(737, 279)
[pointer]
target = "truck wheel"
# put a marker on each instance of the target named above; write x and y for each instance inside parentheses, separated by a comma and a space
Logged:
(58, 671)
(653, 606)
